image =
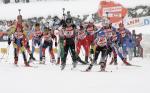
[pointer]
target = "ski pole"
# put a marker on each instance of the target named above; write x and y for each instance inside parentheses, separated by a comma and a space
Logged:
(64, 13)
(107, 14)
(7, 53)
(3, 56)
(122, 19)
(19, 10)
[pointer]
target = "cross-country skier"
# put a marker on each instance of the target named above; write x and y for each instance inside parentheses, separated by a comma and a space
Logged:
(25, 31)
(90, 28)
(134, 43)
(125, 41)
(138, 42)
(111, 35)
(48, 37)
(18, 40)
(115, 43)
(37, 40)
(108, 33)
(101, 46)
(82, 41)
(69, 43)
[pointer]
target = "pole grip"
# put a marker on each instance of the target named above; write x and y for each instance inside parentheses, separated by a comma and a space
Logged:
(19, 11)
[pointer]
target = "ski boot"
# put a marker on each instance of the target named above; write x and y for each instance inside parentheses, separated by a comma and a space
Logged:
(74, 64)
(16, 61)
(89, 68)
(40, 62)
(63, 65)
(115, 61)
(58, 61)
(125, 62)
(26, 64)
(102, 66)
(43, 60)
(53, 60)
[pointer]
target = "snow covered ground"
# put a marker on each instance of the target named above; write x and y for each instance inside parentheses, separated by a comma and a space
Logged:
(49, 79)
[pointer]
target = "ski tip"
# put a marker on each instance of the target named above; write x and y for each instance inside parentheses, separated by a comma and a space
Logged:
(84, 71)
(105, 71)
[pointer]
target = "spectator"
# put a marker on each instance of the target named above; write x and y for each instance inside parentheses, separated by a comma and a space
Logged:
(138, 42)
(134, 43)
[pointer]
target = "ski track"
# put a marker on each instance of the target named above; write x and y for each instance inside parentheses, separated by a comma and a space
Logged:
(49, 78)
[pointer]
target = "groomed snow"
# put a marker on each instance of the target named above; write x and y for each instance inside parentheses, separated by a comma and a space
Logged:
(49, 79)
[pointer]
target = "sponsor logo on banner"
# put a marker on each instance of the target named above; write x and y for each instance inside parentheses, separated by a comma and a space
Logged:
(146, 21)
(142, 21)
(132, 22)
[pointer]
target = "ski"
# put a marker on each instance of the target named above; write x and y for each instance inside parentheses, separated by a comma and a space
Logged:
(136, 65)
(95, 71)
(84, 71)
(104, 71)
(29, 66)
(133, 65)
(16, 65)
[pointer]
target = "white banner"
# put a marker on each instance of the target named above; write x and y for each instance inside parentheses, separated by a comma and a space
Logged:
(142, 21)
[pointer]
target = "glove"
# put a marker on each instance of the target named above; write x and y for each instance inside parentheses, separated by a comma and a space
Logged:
(40, 36)
(55, 44)
(9, 41)
(88, 33)
(91, 51)
(119, 44)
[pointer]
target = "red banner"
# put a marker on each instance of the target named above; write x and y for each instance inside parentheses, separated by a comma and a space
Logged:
(114, 11)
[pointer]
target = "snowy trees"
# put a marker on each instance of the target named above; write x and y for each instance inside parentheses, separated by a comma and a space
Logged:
(139, 11)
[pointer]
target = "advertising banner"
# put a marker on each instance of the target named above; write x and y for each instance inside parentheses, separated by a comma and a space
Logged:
(114, 11)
